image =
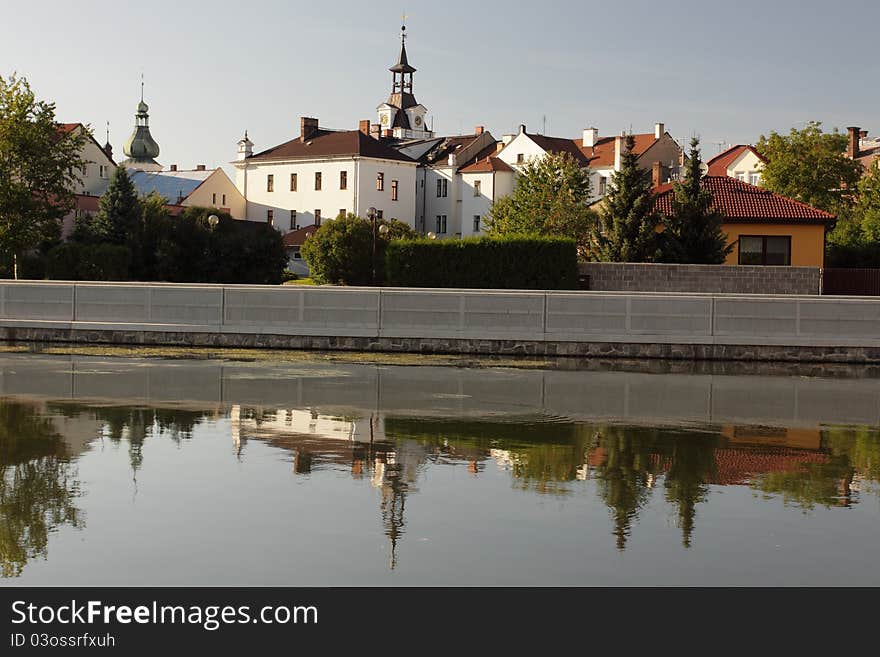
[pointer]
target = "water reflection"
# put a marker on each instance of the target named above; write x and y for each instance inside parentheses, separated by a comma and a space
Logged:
(630, 469)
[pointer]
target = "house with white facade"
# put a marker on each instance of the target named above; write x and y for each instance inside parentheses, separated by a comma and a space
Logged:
(199, 187)
(98, 164)
(742, 162)
(322, 174)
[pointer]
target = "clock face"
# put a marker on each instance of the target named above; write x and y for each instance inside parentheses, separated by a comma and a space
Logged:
(384, 119)
(418, 120)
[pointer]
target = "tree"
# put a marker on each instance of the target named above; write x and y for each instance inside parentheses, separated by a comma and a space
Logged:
(627, 225)
(39, 166)
(341, 251)
(810, 166)
(552, 196)
(693, 230)
(119, 215)
(855, 240)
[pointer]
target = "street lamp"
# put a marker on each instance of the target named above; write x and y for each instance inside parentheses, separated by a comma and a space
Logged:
(371, 215)
(213, 220)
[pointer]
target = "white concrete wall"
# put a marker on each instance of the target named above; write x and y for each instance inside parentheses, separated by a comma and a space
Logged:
(99, 169)
(521, 144)
(404, 209)
(476, 205)
(443, 314)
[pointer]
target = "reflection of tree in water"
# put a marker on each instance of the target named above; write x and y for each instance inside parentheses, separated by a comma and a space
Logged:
(37, 486)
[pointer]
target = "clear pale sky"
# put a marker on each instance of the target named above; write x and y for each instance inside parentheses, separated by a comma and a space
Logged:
(726, 71)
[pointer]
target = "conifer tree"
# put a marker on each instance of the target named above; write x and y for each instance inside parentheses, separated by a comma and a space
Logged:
(119, 214)
(694, 230)
(627, 226)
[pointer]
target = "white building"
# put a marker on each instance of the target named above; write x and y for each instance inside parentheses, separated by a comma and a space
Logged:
(199, 187)
(98, 164)
(742, 162)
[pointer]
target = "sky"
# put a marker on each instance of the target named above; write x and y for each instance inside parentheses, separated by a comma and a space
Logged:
(727, 72)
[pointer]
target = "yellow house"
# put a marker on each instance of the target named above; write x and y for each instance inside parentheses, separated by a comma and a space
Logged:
(195, 187)
(764, 228)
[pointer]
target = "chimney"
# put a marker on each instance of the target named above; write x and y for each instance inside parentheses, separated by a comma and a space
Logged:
(591, 136)
(386, 134)
(308, 128)
(479, 130)
(506, 139)
(375, 130)
(522, 128)
(200, 167)
(852, 149)
(173, 167)
(659, 174)
(499, 145)
(618, 150)
(659, 130)
(108, 150)
(364, 127)
(451, 160)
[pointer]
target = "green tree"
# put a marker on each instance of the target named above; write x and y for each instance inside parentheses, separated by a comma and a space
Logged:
(552, 197)
(119, 215)
(693, 232)
(341, 251)
(810, 166)
(39, 166)
(855, 240)
(627, 225)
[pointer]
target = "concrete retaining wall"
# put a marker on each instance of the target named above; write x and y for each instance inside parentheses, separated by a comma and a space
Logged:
(720, 279)
(843, 329)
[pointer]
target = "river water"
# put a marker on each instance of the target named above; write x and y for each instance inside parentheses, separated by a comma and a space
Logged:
(177, 472)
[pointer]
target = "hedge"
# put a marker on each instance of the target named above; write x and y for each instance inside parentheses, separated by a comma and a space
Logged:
(74, 261)
(509, 262)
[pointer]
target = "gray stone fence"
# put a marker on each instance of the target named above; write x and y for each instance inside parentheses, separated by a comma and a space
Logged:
(718, 279)
(713, 326)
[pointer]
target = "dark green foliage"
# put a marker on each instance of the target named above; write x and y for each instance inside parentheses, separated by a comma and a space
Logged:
(75, 261)
(119, 215)
(521, 262)
(855, 240)
(341, 251)
(694, 232)
(627, 226)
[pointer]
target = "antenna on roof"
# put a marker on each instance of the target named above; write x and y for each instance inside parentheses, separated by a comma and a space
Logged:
(142, 86)
(720, 144)
(108, 132)
(544, 128)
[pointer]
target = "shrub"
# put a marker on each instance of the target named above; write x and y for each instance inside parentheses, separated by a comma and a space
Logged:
(88, 262)
(523, 262)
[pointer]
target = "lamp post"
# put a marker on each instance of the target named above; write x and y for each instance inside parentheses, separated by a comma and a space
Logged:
(371, 215)
(213, 220)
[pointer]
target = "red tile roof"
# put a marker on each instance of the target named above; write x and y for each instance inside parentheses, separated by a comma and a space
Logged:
(298, 237)
(68, 127)
(328, 143)
(718, 165)
(602, 153)
(744, 203)
(487, 165)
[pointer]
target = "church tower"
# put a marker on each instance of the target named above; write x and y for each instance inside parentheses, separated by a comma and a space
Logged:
(141, 149)
(401, 116)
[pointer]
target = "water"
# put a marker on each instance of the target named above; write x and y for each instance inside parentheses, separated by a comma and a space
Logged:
(151, 472)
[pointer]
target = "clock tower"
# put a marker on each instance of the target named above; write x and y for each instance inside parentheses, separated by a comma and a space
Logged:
(401, 113)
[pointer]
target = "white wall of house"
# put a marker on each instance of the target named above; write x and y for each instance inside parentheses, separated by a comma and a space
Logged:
(521, 145)
(96, 173)
(747, 167)
(218, 191)
(360, 191)
(476, 204)
(444, 205)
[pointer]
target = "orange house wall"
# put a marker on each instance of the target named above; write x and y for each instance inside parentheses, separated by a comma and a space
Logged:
(807, 241)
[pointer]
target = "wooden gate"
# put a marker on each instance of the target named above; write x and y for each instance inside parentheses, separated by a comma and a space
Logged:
(858, 282)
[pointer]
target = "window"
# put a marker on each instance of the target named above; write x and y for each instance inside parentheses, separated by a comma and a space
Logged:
(223, 201)
(102, 171)
(754, 178)
(393, 190)
(293, 182)
(293, 225)
(380, 182)
(343, 180)
(478, 184)
(380, 214)
(441, 224)
(214, 200)
(85, 169)
(520, 158)
(476, 223)
(342, 212)
(297, 255)
(270, 217)
(442, 187)
(317, 181)
(270, 183)
(317, 217)
(603, 185)
(765, 250)
(741, 176)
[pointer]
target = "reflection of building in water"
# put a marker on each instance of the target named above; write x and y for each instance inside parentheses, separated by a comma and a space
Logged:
(359, 443)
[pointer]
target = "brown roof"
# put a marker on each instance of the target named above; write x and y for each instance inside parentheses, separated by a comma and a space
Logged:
(298, 237)
(744, 203)
(487, 165)
(448, 146)
(329, 143)
(718, 164)
(602, 153)
(561, 145)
